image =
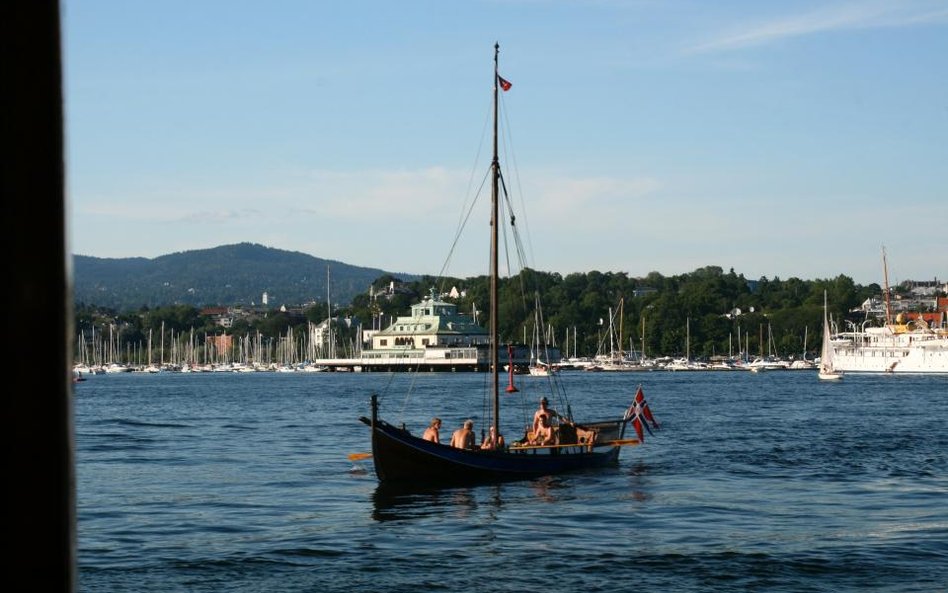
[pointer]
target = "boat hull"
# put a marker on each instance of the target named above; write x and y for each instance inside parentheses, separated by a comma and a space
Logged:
(878, 350)
(400, 457)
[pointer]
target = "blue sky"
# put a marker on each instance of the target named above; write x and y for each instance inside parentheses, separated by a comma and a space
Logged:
(780, 139)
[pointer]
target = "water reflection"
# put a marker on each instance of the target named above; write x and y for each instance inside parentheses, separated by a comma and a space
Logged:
(393, 502)
(638, 482)
(546, 488)
(397, 502)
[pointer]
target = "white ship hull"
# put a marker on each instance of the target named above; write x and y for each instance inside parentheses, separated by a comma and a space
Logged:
(891, 350)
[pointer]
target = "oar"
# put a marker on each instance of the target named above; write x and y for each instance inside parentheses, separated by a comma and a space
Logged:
(621, 442)
(359, 456)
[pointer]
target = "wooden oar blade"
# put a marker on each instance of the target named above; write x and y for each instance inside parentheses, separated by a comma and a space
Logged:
(623, 442)
(359, 456)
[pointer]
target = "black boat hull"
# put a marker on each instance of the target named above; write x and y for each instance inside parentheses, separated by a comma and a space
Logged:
(400, 457)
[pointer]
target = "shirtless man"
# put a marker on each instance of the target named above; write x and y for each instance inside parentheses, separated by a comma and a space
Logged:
(543, 424)
(463, 438)
(431, 433)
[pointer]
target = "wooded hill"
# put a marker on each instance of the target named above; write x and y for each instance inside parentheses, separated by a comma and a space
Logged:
(226, 275)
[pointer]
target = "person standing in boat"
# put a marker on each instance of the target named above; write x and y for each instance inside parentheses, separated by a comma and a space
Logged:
(493, 440)
(431, 433)
(463, 438)
(543, 424)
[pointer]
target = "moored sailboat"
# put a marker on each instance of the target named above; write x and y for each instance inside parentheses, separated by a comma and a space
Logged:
(401, 457)
(540, 365)
(827, 371)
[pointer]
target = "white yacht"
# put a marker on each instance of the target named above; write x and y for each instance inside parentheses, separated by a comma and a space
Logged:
(894, 348)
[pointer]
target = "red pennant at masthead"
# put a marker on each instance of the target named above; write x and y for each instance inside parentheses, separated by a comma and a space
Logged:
(504, 84)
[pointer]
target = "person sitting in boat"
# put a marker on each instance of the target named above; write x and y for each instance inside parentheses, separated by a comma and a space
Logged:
(431, 433)
(543, 424)
(493, 440)
(463, 438)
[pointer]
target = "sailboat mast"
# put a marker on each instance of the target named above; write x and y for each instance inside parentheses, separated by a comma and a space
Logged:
(643, 336)
(885, 273)
(494, 220)
(329, 340)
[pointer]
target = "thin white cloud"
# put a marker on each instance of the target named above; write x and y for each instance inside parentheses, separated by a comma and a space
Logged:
(348, 195)
(582, 202)
(360, 194)
(217, 216)
(839, 17)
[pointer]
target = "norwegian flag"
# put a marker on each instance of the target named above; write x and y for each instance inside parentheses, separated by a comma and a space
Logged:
(637, 424)
(646, 411)
(636, 412)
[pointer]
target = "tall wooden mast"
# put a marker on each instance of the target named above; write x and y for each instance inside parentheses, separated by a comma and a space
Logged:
(494, 221)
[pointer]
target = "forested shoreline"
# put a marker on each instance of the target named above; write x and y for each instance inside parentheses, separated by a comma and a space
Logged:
(707, 312)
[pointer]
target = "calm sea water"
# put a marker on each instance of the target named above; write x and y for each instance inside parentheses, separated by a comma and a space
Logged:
(772, 482)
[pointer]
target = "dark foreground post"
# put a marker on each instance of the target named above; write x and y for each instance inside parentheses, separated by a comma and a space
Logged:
(40, 529)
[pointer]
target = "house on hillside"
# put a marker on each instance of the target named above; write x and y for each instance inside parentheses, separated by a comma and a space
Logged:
(219, 315)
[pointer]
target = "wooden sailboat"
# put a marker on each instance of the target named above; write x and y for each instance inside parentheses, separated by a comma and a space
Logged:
(401, 457)
(827, 372)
